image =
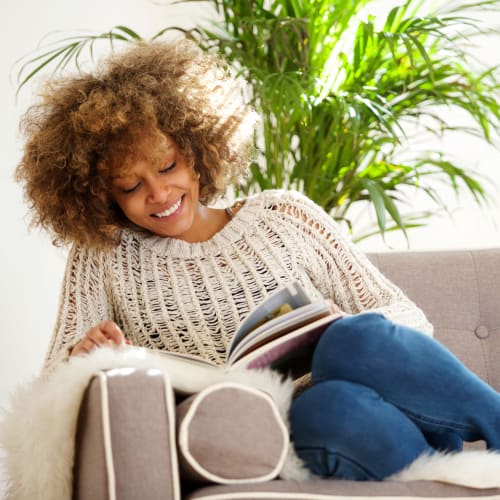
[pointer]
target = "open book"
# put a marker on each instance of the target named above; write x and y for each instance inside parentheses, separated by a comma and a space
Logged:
(280, 333)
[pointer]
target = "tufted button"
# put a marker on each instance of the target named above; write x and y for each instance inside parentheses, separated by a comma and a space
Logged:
(482, 332)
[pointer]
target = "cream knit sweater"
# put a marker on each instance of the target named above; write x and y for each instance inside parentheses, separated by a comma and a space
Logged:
(190, 297)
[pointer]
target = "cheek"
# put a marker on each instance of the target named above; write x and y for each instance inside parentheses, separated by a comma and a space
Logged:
(129, 207)
(194, 180)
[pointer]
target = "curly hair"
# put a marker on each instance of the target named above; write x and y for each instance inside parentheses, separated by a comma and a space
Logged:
(85, 124)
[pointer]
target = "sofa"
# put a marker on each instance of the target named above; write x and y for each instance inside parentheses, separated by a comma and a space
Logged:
(146, 449)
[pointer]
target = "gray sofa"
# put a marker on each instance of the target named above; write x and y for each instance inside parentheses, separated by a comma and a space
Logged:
(458, 290)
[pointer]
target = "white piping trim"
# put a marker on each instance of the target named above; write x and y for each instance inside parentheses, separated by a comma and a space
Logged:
(183, 437)
(170, 408)
(106, 431)
(255, 495)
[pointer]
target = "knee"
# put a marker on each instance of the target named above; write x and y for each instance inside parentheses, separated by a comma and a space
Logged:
(353, 330)
(360, 325)
(354, 340)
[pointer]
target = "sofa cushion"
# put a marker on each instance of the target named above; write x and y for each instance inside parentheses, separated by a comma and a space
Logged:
(343, 490)
(230, 433)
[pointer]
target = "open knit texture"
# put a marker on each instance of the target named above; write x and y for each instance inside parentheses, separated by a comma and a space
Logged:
(184, 297)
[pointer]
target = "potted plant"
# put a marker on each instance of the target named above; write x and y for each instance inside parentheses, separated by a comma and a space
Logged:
(342, 93)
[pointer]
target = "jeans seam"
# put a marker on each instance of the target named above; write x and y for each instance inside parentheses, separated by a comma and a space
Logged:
(324, 452)
(425, 419)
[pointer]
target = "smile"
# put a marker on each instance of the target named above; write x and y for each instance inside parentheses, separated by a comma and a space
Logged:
(172, 209)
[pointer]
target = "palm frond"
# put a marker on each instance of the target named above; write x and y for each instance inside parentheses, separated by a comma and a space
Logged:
(69, 50)
(344, 95)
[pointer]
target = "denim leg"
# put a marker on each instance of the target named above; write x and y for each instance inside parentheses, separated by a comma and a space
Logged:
(413, 372)
(444, 441)
(345, 430)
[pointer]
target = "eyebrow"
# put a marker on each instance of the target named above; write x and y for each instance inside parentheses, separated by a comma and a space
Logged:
(121, 177)
(155, 158)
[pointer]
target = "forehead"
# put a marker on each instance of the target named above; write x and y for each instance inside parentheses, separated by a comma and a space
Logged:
(150, 148)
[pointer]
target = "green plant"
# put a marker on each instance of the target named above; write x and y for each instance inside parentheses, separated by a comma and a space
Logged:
(343, 94)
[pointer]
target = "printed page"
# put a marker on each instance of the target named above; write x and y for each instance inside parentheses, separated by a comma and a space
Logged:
(271, 353)
(279, 326)
(293, 295)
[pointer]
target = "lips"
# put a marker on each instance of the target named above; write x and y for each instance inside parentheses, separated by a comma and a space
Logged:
(170, 210)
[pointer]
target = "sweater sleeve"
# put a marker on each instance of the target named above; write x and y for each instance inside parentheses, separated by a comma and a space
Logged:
(84, 302)
(341, 272)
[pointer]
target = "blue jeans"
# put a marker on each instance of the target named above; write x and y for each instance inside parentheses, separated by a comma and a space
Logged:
(382, 394)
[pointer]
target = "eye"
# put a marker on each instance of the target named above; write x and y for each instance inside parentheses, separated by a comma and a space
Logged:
(168, 168)
(131, 189)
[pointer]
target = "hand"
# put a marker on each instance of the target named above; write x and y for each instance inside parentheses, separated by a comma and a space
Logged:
(334, 308)
(106, 333)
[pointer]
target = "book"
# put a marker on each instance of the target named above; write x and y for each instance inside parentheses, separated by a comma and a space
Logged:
(280, 333)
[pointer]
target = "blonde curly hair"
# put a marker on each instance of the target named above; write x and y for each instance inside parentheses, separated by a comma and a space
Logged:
(85, 124)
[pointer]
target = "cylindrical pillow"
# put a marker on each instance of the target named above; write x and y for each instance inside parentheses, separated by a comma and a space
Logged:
(230, 433)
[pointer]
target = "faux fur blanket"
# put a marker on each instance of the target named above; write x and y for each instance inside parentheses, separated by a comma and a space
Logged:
(37, 431)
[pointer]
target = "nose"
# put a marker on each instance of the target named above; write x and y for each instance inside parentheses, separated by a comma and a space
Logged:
(158, 191)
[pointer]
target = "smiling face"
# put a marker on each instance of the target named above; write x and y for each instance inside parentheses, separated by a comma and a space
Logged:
(158, 191)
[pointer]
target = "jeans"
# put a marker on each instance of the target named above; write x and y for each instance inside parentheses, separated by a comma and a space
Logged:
(383, 394)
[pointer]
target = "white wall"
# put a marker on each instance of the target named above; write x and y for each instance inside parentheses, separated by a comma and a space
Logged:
(32, 268)
(470, 225)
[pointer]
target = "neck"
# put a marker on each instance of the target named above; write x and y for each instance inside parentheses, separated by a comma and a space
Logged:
(209, 221)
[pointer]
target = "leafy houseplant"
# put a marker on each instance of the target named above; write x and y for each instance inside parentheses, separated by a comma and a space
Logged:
(342, 94)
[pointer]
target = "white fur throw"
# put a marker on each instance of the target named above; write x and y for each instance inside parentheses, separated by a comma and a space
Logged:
(37, 431)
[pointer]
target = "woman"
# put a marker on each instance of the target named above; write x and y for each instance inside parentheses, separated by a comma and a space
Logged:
(125, 165)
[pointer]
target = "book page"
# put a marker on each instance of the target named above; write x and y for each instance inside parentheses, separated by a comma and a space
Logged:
(188, 373)
(274, 354)
(191, 359)
(293, 295)
(276, 327)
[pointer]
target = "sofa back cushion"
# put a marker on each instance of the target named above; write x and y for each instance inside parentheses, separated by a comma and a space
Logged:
(459, 292)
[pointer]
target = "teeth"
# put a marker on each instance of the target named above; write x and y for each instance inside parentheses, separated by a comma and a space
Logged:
(169, 211)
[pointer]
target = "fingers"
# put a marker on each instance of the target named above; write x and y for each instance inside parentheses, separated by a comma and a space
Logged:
(111, 332)
(334, 308)
(106, 333)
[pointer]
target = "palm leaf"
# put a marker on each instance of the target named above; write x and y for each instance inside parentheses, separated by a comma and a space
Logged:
(343, 101)
(69, 50)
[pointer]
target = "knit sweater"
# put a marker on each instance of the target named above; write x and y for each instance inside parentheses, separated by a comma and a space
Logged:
(168, 294)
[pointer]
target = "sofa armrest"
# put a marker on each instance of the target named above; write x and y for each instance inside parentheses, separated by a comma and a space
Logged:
(125, 441)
